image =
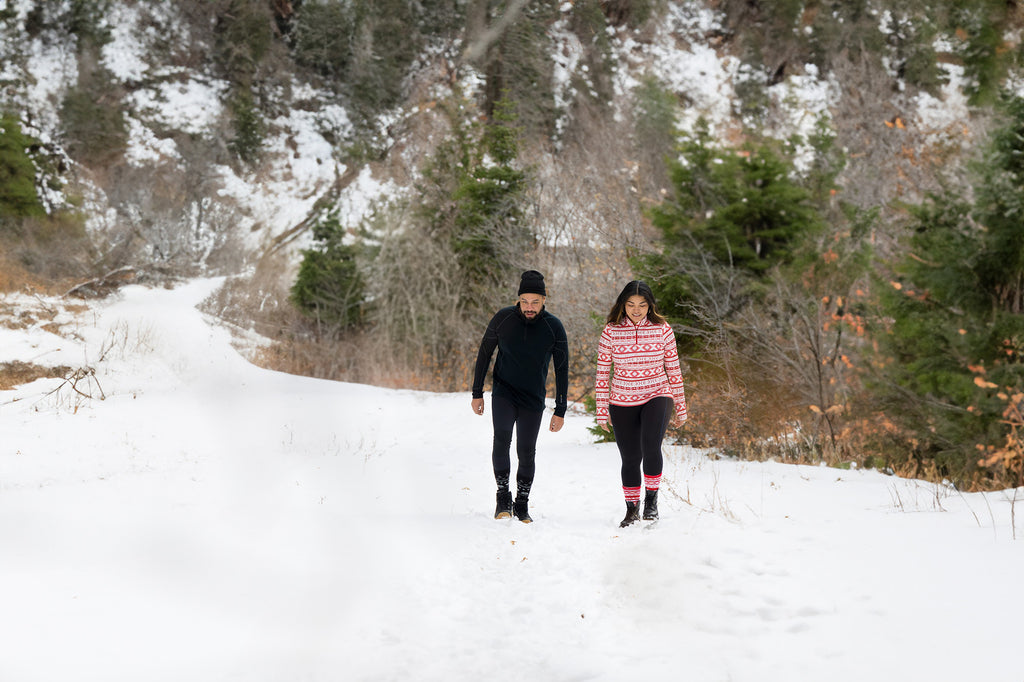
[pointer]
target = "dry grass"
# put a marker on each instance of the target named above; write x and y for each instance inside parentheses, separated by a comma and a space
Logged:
(359, 358)
(15, 277)
(13, 374)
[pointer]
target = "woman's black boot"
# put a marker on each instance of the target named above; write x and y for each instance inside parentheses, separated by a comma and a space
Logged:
(651, 505)
(632, 514)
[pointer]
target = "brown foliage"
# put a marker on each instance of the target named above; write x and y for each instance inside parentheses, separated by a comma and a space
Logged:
(15, 277)
(45, 253)
(16, 373)
(1005, 463)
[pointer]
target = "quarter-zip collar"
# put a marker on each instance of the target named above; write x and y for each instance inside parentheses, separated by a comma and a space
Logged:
(628, 323)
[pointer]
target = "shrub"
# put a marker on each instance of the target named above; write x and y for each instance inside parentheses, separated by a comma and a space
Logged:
(518, 69)
(244, 31)
(250, 129)
(93, 118)
(980, 26)
(632, 13)
(85, 19)
(366, 47)
(322, 39)
(54, 247)
(911, 39)
(759, 294)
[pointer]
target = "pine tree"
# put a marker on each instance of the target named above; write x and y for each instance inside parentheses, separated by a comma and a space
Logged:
(754, 290)
(734, 214)
(489, 229)
(957, 313)
(329, 288)
(18, 196)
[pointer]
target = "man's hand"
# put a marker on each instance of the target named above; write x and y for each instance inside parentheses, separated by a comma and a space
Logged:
(478, 405)
(556, 423)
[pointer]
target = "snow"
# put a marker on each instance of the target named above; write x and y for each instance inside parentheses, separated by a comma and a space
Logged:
(678, 57)
(566, 57)
(364, 197)
(191, 105)
(937, 115)
(145, 148)
(42, 71)
(299, 159)
(44, 96)
(801, 103)
(125, 55)
(209, 520)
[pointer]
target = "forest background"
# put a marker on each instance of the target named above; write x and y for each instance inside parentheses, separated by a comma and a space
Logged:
(825, 196)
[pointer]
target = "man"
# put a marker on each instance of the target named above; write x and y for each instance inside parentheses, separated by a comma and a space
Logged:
(527, 337)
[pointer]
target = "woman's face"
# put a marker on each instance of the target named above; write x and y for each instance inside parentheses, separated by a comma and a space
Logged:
(636, 308)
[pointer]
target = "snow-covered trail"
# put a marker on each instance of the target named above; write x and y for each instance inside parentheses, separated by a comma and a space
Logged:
(211, 520)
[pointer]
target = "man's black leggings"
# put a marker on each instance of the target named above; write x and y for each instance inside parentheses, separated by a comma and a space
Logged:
(639, 431)
(505, 416)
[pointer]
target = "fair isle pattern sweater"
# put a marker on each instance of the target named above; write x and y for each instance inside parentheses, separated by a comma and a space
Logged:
(646, 365)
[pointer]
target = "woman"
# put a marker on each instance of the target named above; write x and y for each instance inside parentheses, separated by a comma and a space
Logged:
(645, 386)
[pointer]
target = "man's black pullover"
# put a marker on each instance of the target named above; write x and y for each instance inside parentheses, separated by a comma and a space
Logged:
(525, 347)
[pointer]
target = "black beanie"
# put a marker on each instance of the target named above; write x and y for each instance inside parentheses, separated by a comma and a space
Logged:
(532, 282)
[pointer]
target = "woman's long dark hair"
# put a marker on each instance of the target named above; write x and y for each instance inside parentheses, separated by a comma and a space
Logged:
(635, 288)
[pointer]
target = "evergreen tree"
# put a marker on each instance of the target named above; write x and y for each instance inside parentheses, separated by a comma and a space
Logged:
(329, 288)
(18, 197)
(516, 66)
(473, 196)
(756, 290)
(957, 312)
(734, 214)
(1000, 210)
(981, 26)
(488, 231)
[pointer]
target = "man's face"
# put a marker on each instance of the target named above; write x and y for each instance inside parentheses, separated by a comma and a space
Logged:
(531, 305)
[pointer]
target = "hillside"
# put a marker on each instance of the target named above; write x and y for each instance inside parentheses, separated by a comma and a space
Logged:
(766, 165)
(174, 185)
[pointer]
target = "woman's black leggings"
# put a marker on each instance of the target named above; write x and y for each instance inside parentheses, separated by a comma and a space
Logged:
(505, 416)
(639, 431)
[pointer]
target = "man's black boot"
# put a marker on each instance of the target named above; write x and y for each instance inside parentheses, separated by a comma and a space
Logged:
(632, 514)
(504, 508)
(521, 509)
(651, 505)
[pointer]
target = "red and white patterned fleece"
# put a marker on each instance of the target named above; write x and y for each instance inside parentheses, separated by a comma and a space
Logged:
(646, 366)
